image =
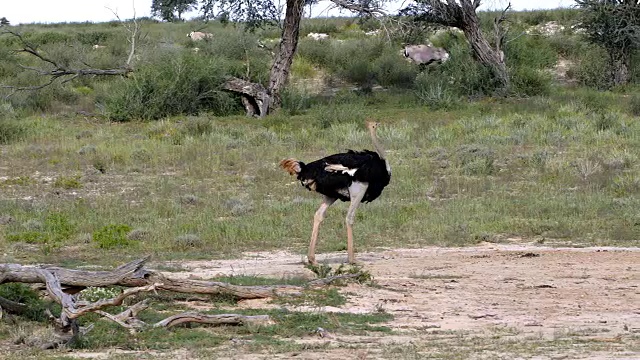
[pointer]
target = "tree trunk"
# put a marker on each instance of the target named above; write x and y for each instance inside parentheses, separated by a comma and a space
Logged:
(620, 61)
(483, 51)
(284, 57)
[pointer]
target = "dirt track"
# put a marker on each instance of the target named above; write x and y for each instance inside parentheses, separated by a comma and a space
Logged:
(489, 291)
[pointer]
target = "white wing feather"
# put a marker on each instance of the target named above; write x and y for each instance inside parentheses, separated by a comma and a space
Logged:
(340, 168)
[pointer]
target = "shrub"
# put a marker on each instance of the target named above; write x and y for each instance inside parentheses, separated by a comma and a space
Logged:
(186, 241)
(301, 67)
(11, 130)
(592, 68)
(42, 100)
(138, 234)
(52, 233)
(24, 294)
(243, 58)
(48, 37)
(392, 71)
(461, 75)
(325, 26)
(567, 46)
(364, 62)
(110, 236)
(170, 86)
(197, 126)
(67, 182)
(435, 95)
(634, 105)
(530, 81)
(93, 37)
(533, 52)
(94, 294)
(336, 113)
(476, 160)
(294, 101)
(316, 52)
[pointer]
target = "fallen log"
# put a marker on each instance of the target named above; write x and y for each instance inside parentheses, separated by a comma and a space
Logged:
(134, 275)
(222, 319)
(138, 279)
(255, 97)
(68, 277)
(12, 307)
(145, 277)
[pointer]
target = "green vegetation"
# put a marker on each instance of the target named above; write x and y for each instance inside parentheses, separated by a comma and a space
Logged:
(558, 167)
(111, 236)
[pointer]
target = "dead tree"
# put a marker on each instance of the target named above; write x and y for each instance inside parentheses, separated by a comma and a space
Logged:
(62, 284)
(462, 15)
(57, 71)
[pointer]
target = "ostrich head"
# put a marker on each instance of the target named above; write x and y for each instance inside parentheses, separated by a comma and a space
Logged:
(372, 125)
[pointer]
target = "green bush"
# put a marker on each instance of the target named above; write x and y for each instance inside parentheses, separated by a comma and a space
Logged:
(634, 105)
(187, 84)
(567, 46)
(475, 160)
(93, 37)
(323, 26)
(24, 294)
(534, 52)
(110, 236)
(54, 231)
(315, 51)
(48, 37)
(392, 71)
(11, 130)
(338, 113)
(67, 182)
(353, 60)
(433, 94)
(530, 82)
(364, 62)
(461, 75)
(592, 68)
(244, 58)
(197, 126)
(294, 101)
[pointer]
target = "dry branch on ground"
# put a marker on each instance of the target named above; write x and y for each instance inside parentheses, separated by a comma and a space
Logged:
(61, 285)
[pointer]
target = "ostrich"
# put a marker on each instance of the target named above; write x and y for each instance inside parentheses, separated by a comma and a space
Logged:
(355, 176)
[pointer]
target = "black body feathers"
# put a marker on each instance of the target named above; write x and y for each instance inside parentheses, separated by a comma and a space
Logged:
(332, 175)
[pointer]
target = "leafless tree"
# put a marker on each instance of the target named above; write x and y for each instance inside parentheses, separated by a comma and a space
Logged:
(56, 70)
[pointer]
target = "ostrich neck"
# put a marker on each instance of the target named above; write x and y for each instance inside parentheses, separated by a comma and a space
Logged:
(377, 145)
(380, 150)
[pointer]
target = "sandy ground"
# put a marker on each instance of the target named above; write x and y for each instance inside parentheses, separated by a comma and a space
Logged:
(542, 292)
(491, 292)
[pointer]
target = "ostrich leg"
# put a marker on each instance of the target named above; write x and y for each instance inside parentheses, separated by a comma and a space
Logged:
(317, 219)
(356, 192)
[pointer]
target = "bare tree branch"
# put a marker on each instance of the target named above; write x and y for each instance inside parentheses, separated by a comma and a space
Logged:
(133, 29)
(133, 274)
(12, 306)
(499, 31)
(64, 73)
(360, 8)
(86, 307)
(223, 319)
